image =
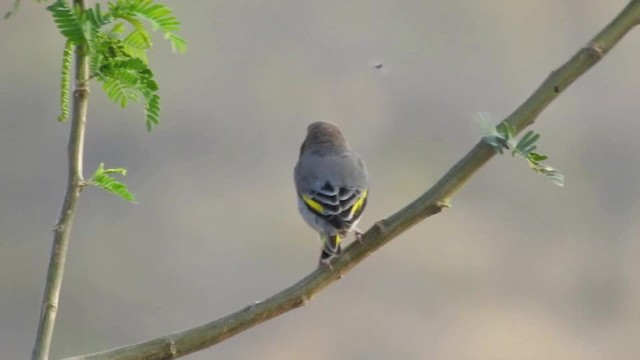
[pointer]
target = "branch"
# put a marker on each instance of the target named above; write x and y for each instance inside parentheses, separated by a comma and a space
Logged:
(430, 203)
(62, 230)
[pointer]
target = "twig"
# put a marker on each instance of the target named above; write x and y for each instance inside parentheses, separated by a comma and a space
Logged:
(63, 227)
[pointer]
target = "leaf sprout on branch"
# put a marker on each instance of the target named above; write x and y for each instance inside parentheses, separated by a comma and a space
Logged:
(502, 137)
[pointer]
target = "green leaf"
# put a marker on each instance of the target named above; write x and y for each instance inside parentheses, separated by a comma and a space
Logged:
(102, 178)
(506, 130)
(120, 92)
(503, 137)
(98, 18)
(127, 79)
(499, 137)
(118, 55)
(117, 29)
(526, 143)
(178, 44)
(537, 157)
(136, 44)
(14, 9)
(152, 112)
(65, 82)
(139, 31)
(68, 22)
(486, 122)
(158, 15)
(550, 173)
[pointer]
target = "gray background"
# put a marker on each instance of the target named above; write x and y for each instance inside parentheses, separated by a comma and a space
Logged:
(517, 269)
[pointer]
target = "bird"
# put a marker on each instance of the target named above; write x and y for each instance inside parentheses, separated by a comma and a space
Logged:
(332, 184)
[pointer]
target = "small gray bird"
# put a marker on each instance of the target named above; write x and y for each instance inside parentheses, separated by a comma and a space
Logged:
(332, 184)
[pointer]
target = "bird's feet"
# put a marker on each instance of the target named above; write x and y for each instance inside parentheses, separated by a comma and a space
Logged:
(325, 262)
(358, 234)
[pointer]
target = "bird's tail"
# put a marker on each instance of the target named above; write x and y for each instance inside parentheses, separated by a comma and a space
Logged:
(331, 247)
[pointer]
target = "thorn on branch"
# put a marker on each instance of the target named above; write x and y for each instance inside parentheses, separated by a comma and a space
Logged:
(173, 350)
(594, 51)
(381, 227)
(58, 228)
(299, 301)
(437, 208)
(443, 204)
(254, 304)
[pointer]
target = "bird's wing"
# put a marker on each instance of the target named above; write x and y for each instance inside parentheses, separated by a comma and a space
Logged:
(335, 188)
(339, 206)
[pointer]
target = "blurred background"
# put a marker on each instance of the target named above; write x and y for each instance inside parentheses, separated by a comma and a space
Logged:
(518, 268)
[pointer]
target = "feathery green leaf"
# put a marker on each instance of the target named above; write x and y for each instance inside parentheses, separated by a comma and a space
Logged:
(102, 178)
(152, 111)
(502, 137)
(118, 56)
(158, 15)
(127, 79)
(65, 82)
(14, 9)
(68, 22)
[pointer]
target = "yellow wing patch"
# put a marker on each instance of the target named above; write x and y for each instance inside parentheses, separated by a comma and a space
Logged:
(313, 204)
(327, 238)
(358, 205)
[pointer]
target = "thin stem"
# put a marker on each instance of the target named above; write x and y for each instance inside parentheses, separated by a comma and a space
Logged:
(185, 342)
(63, 227)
